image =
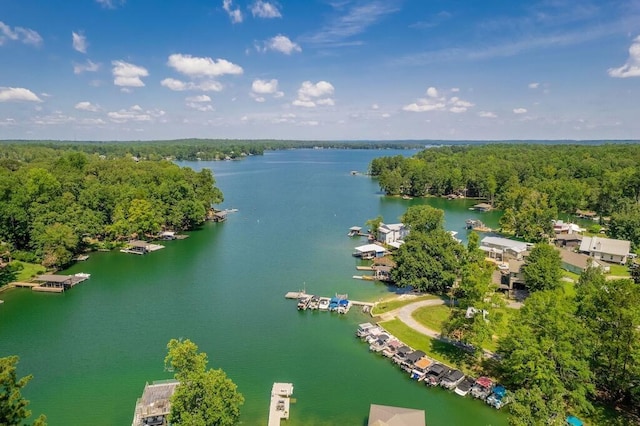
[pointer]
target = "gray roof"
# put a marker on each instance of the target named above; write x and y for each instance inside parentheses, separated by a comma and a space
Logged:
(605, 245)
(52, 278)
(576, 259)
(155, 400)
(385, 415)
(505, 243)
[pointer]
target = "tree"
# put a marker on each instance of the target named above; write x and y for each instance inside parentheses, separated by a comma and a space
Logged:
(547, 351)
(542, 268)
(203, 397)
(423, 218)
(13, 407)
(427, 261)
(611, 311)
(374, 224)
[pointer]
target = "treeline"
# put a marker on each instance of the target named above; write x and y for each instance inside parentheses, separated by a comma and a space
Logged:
(55, 202)
(187, 149)
(532, 183)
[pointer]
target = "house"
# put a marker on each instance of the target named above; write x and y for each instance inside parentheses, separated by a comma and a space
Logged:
(391, 233)
(562, 227)
(607, 249)
(155, 404)
(369, 251)
(483, 207)
(503, 248)
(578, 263)
(386, 415)
(568, 241)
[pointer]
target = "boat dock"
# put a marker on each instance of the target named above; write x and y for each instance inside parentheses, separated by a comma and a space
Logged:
(47, 283)
(299, 294)
(280, 402)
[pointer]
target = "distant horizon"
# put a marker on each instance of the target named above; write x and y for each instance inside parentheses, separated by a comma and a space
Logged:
(121, 70)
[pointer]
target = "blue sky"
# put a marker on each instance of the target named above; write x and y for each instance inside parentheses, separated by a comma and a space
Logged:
(319, 69)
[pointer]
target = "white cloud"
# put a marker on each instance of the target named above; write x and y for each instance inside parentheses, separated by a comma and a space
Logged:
(435, 101)
(264, 9)
(375, 106)
(200, 107)
(199, 98)
(179, 86)
(310, 94)
(234, 14)
(135, 113)
(632, 67)
(128, 75)
(110, 4)
(194, 66)
(487, 114)
(264, 86)
(534, 85)
(23, 35)
(519, 110)
(87, 106)
(89, 66)
(386, 115)
(280, 43)
(9, 94)
(455, 90)
(79, 42)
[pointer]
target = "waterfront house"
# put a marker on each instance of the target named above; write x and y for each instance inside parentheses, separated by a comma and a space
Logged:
(562, 227)
(607, 249)
(391, 233)
(385, 415)
(154, 406)
(369, 251)
(578, 263)
(503, 249)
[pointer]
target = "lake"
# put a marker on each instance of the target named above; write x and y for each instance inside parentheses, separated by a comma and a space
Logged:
(92, 349)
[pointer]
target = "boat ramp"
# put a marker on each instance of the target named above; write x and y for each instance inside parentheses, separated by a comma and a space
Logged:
(280, 402)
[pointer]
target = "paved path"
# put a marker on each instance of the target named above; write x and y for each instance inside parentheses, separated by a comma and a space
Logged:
(405, 314)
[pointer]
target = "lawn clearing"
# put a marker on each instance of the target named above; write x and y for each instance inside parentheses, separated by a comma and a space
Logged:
(29, 270)
(432, 317)
(397, 302)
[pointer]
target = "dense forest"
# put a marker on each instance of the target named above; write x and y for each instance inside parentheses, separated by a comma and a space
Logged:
(186, 149)
(55, 203)
(532, 183)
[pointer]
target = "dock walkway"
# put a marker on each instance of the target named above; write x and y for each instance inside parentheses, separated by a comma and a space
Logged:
(299, 294)
(280, 402)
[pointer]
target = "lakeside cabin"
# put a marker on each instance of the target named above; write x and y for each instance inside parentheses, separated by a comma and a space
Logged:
(369, 251)
(154, 406)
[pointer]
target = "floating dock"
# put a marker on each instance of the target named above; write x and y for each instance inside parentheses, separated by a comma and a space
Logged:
(299, 294)
(280, 402)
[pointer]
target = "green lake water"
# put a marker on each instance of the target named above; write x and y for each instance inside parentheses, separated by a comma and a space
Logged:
(92, 349)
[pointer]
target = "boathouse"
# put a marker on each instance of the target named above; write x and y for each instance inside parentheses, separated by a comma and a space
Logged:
(61, 282)
(154, 406)
(369, 251)
(503, 248)
(483, 207)
(386, 415)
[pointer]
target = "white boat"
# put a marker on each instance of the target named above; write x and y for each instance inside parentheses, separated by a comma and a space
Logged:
(83, 275)
(323, 304)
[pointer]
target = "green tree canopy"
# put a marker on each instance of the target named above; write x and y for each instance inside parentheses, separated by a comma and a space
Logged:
(13, 407)
(203, 397)
(423, 218)
(542, 268)
(546, 351)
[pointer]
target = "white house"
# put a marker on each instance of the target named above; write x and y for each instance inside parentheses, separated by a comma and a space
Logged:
(503, 248)
(392, 232)
(607, 249)
(369, 251)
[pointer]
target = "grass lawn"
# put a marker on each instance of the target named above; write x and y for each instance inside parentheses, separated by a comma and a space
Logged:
(29, 270)
(432, 316)
(394, 303)
(620, 270)
(440, 351)
(569, 288)
(571, 275)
